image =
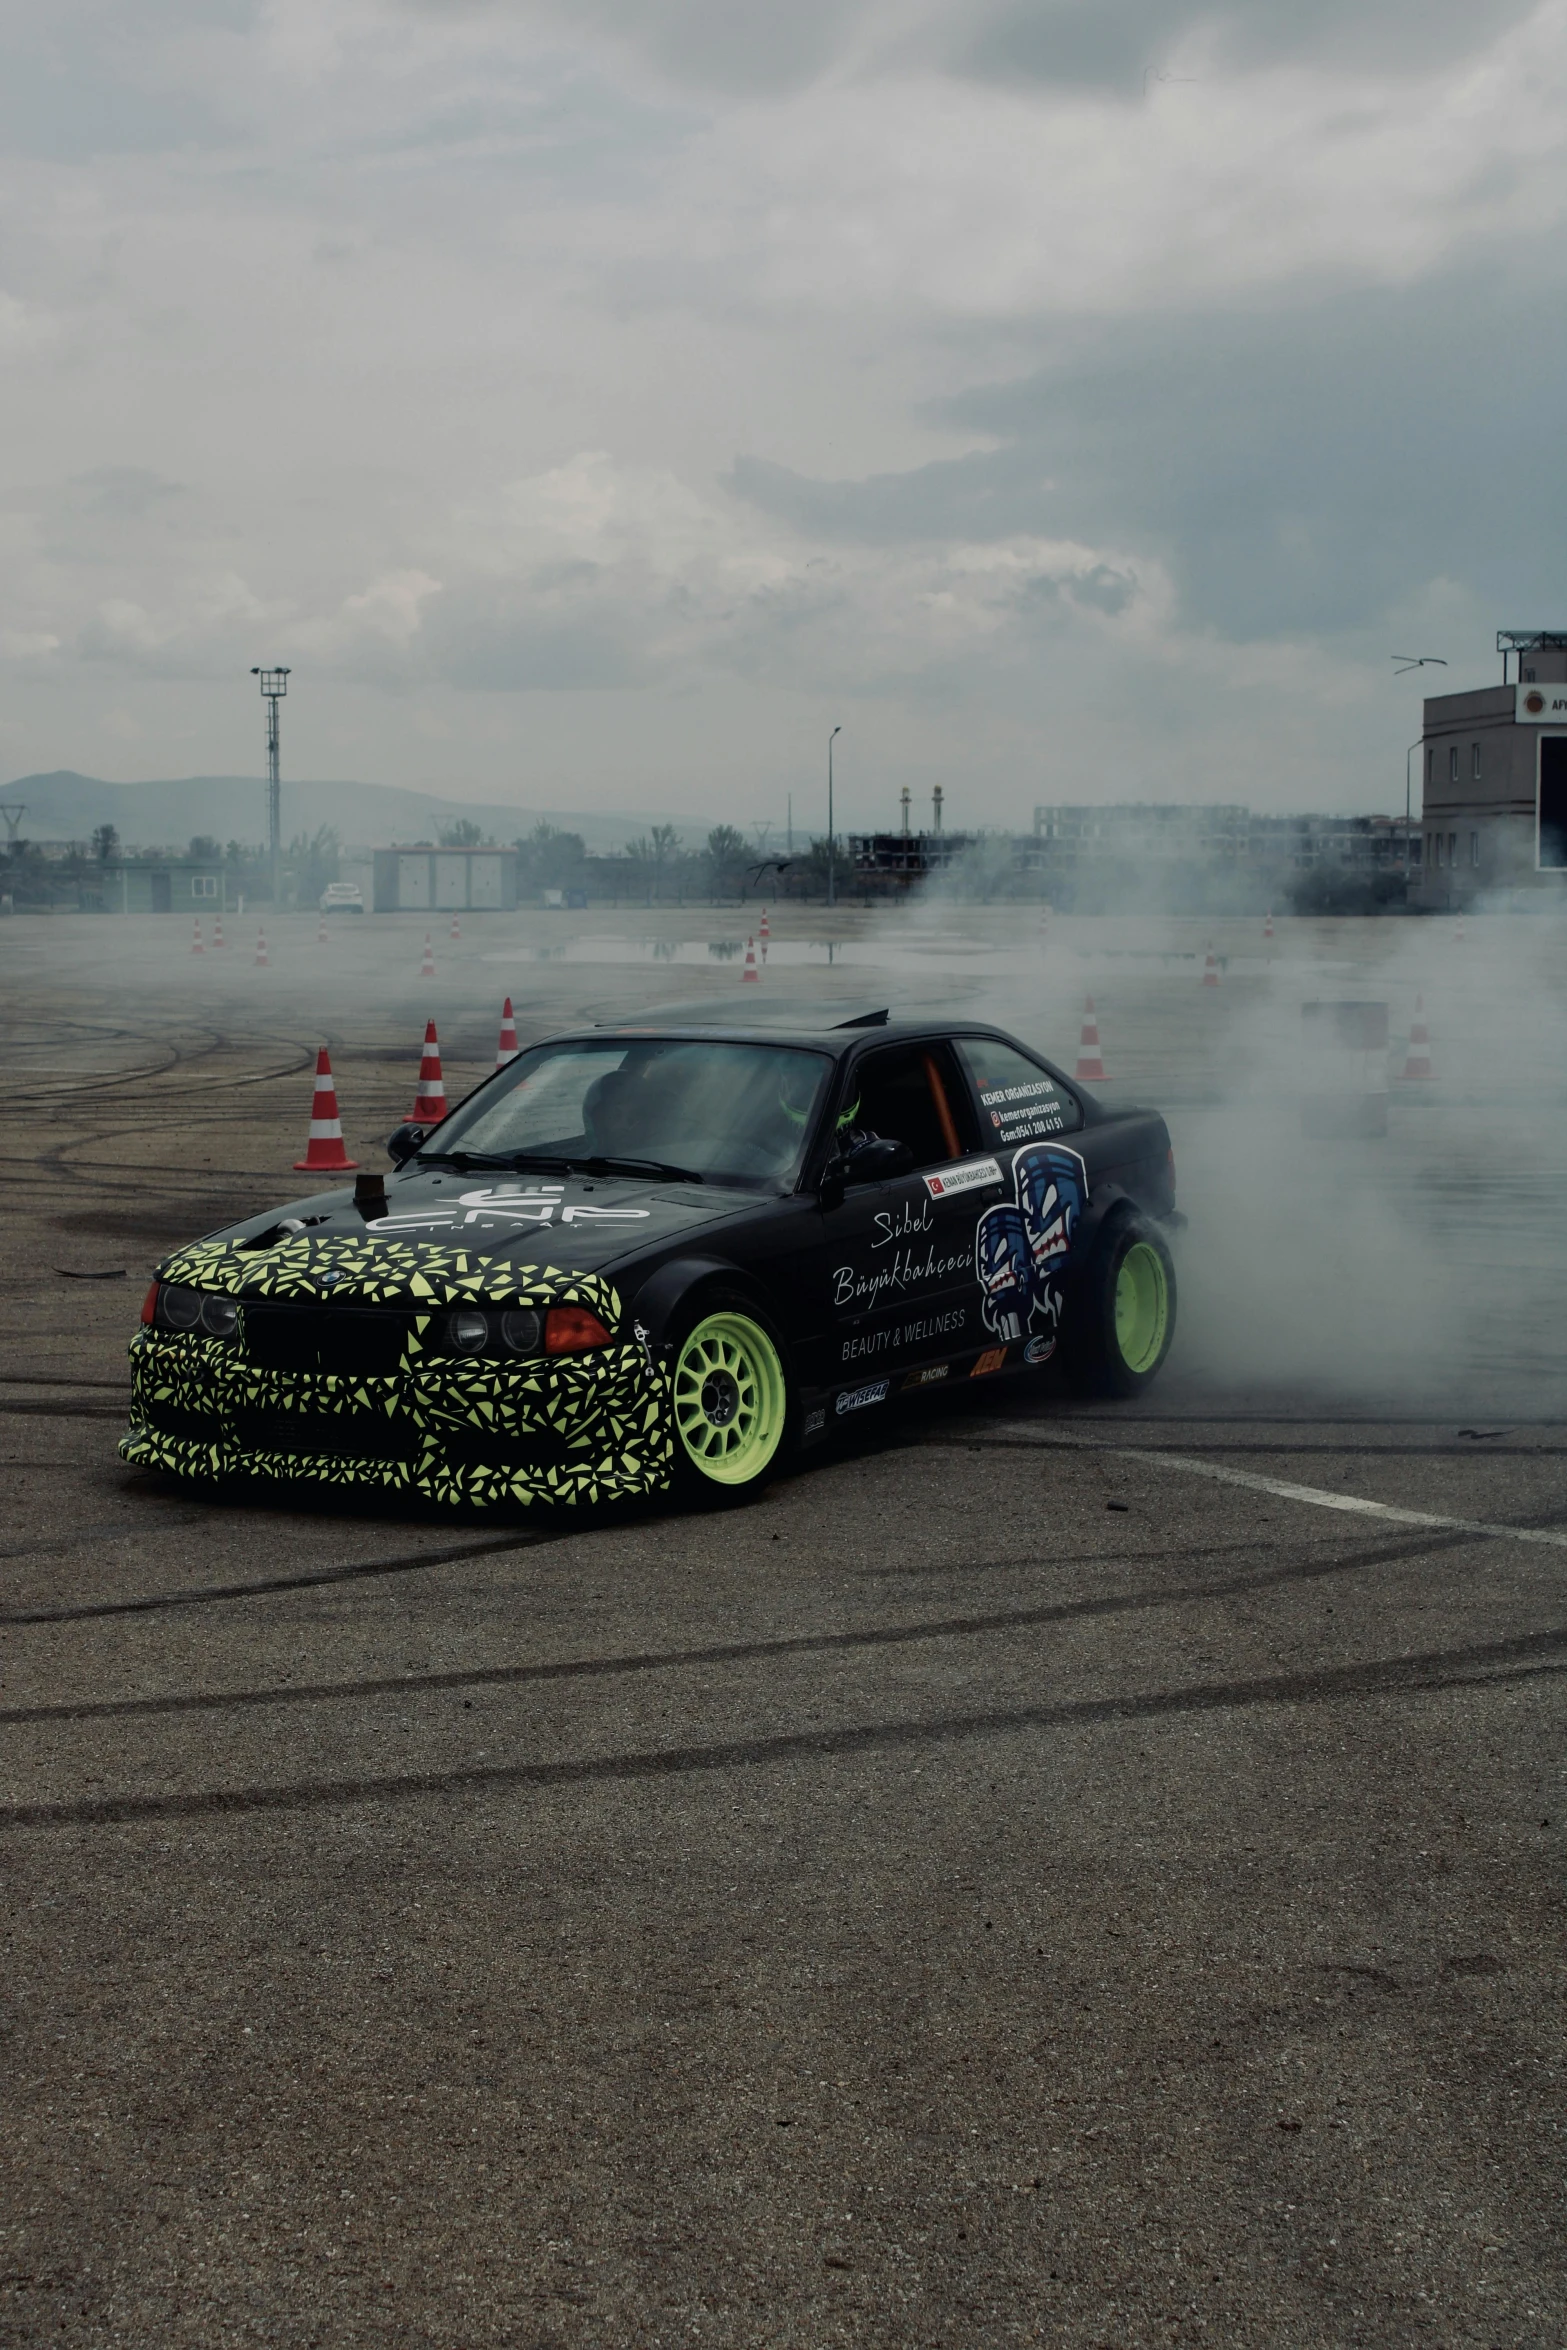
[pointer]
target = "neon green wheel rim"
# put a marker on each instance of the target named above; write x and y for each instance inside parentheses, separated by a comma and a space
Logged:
(730, 1399)
(1142, 1307)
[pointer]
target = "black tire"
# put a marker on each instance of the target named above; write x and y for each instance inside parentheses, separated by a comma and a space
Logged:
(732, 1400)
(1124, 1312)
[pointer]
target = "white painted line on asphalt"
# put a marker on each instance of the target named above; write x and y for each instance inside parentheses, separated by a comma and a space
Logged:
(1553, 1538)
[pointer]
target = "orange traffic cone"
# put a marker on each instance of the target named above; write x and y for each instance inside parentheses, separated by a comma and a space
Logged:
(430, 1107)
(1090, 1068)
(1210, 969)
(750, 972)
(427, 967)
(1267, 928)
(1417, 1067)
(262, 963)
(321, 931)
(506, 1049)
(456, 926)
(217, 932)
(196, 946)
(765, 933)
(325, 1148)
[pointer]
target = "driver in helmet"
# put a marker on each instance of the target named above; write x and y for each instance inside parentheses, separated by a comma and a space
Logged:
(851, 1128)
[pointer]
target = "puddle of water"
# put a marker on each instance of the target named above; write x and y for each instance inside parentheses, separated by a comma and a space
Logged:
(781, 954)
(960, 954)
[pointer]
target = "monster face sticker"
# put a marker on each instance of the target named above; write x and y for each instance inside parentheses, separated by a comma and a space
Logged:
(1004, 1269)
(1021, 1251)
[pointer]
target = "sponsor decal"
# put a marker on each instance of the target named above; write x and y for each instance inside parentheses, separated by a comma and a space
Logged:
(1039, 1350)
(815, 1421)
(931, 1376)
(855, 1399)
(1019, 1113)
(894, 1337)
(489, 1211)
(860, 1289)
(968, 1175)
(991, 1360)
(1022, 1249)
(900, 1223)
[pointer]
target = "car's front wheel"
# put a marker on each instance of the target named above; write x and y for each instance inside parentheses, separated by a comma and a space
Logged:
(1126, 1312)
(731, 1403)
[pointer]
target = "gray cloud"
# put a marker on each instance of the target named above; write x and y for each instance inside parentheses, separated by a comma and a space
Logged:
(1112, 44)
(757, 46)
(1296, 470)
(414, 342)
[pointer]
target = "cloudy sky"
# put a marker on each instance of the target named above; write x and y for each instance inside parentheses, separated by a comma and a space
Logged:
(594, 403)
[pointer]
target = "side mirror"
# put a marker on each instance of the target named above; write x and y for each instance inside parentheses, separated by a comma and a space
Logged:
(876, 1160)
(403, 1141)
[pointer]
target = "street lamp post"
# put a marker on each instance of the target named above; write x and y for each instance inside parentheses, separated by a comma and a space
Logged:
(274, 685)
(1403, 663)
(832, 878)
(1408, 755)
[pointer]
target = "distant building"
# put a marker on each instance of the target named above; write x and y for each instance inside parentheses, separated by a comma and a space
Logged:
(1144, 831)
(887, 862)
(425, 880)
(1182, 854)
(161, 885)
(1494, 778)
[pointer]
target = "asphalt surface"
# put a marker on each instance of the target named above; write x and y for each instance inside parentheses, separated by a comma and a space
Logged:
(1041, 1876)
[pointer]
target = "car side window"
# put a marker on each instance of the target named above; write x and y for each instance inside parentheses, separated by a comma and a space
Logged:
(912, 1093)
(1018, 1101)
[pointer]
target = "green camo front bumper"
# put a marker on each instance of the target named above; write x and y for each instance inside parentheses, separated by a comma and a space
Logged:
(589, 1427)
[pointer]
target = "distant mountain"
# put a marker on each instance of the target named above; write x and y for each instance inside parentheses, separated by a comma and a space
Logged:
(66, 806)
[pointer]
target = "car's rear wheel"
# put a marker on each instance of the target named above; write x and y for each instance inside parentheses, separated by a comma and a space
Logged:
(731, 1403)
(1126, 1313)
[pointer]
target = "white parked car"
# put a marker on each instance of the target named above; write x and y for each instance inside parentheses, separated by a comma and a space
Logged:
(342, 897)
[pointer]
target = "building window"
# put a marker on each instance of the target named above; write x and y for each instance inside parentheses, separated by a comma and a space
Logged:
(1474, 760)
(1452, 764)
(1452, 849)
(1551, 804)
(1474, 848)
(203, 885)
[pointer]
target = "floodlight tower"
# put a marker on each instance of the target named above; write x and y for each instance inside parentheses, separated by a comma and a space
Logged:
(274, 685)
(832, 875)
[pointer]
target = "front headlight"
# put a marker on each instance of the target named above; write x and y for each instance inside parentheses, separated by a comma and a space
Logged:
(522, 1331)
(468, 1332)
(178, 1308)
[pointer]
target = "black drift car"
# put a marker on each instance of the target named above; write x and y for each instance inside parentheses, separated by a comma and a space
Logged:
(649, 1257)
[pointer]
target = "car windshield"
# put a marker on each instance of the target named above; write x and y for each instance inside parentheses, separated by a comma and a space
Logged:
(730, 1113)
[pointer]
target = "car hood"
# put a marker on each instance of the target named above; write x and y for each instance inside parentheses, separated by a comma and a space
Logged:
(446, 1234)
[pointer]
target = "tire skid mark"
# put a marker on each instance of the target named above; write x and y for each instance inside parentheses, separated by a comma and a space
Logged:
(1537, 1656)
(1450, 1449)
(208, 1594)
(970, 1626)
(23, 1410)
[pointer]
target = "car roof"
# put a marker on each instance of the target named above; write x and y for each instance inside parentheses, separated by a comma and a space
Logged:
(830, 1027)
